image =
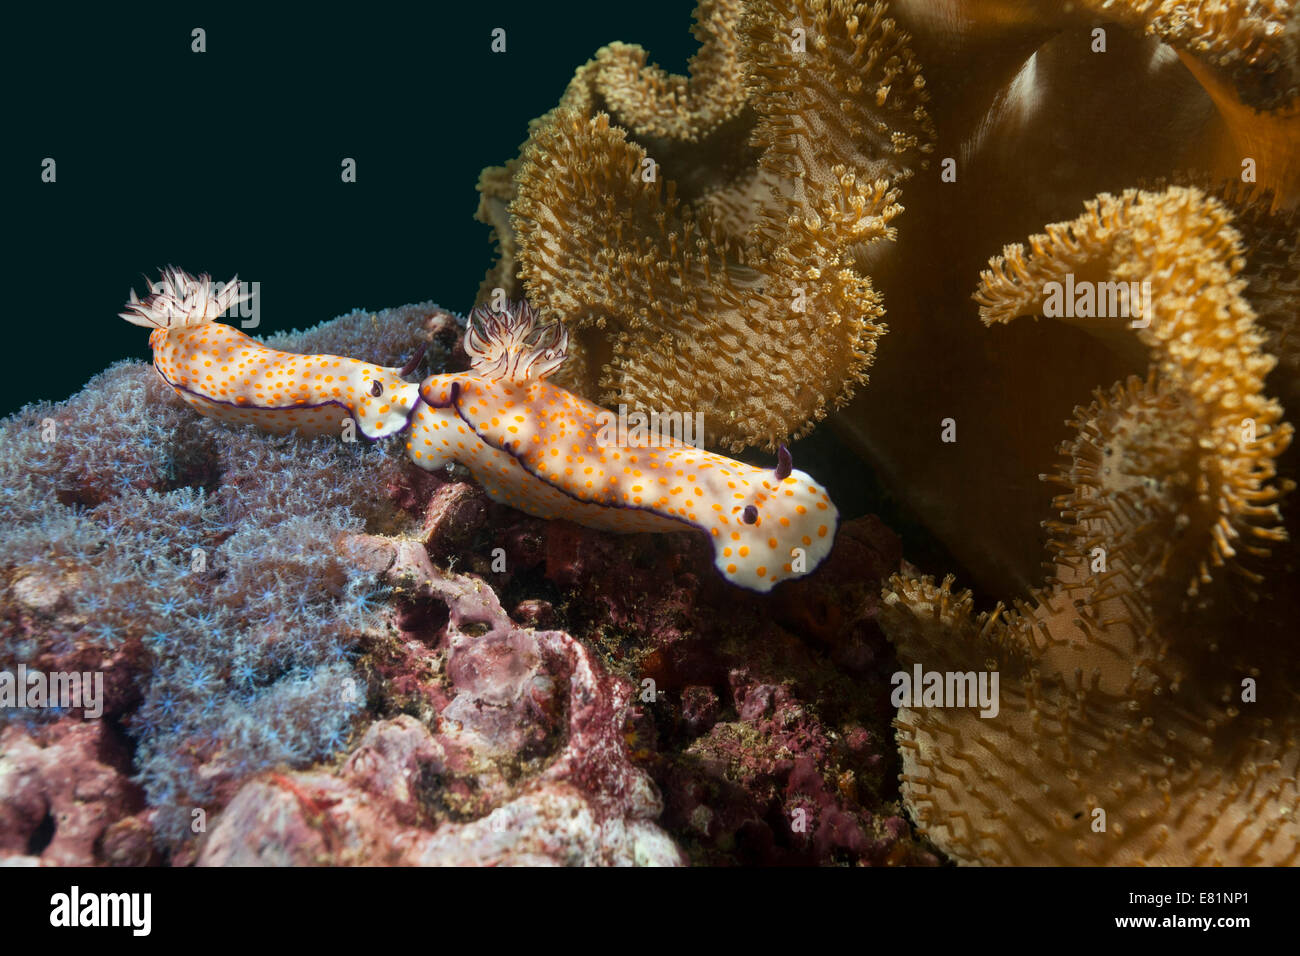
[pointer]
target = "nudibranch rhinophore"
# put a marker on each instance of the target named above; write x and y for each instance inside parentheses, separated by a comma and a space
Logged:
(541, 449)
(226, 374)
(530, 444)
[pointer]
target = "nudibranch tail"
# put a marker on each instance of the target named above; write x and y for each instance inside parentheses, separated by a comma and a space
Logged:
(513, 344)
(227, 375)
(178, 300)
(534, 446)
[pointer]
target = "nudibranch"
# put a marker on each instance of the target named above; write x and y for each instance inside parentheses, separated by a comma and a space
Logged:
(539, 448)
(227, 375)
(531, 445)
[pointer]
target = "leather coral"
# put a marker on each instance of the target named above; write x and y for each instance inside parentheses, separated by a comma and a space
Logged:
(1148, 712)
(704, 239)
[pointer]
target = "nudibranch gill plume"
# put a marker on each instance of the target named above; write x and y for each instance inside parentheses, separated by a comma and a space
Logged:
(531, 445)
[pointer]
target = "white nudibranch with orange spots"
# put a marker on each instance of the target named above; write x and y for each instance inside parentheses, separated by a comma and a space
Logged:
(538, 448)
(530, 444)
(226, 374)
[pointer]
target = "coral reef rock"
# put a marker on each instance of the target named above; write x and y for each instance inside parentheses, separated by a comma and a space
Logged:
(195, 566)
(308, 659)
(66, 800)
(764, 720)
(527, 766)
